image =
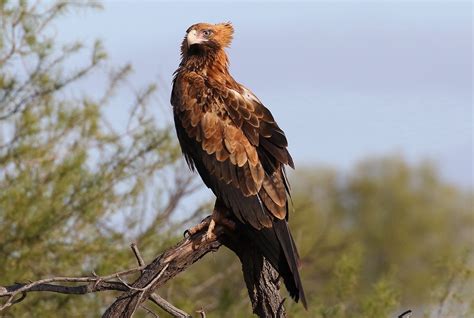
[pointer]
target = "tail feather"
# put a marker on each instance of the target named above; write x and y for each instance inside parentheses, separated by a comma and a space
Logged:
(292, 258)
(278, 247)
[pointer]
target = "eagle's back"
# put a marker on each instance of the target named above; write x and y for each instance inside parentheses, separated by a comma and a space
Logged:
(234, 143)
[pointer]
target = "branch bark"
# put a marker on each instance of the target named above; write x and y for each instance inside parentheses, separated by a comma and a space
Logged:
(160, 270)
(260, 278)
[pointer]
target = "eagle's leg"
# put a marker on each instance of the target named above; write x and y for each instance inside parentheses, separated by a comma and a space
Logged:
(210, 235)
(199, 227)
(218, 217)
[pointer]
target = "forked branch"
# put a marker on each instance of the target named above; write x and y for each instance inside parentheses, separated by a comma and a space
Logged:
(261, 279)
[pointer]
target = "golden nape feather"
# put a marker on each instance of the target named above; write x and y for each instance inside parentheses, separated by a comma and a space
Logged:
(235, 144)
(222, 34)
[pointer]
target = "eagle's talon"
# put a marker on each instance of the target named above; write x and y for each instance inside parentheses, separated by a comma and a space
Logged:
(210, 235)
(198, 227)
(206, 220)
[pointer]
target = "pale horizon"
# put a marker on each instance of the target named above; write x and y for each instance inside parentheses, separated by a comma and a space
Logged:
(345, 80)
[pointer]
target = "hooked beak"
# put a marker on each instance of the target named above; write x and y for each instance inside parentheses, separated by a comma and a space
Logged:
(194, 38)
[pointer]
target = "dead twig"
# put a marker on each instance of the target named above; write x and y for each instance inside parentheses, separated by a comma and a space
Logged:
(260, 278)
(158, 300)
(96, 283)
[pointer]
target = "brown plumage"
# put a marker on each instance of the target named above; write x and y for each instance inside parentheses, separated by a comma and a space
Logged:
(233, 141)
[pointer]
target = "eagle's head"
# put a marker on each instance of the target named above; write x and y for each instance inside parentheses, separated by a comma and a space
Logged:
(205, 37)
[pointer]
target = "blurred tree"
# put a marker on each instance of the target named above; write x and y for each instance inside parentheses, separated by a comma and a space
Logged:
(405, 219)
(74, 189)
(375, 242)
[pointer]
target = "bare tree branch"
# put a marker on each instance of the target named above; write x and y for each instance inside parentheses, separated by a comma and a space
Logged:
(169, 308)
(158, 300)
(17, 292)
(164, 267)
(96, 284)
(261, 279)
(137, 253)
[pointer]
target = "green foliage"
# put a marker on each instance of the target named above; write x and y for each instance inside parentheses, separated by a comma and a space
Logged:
(384, 238)
(403, 220)
(381, 301)
(68, 178)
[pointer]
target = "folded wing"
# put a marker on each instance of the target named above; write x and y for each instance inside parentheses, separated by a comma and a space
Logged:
(232, 139)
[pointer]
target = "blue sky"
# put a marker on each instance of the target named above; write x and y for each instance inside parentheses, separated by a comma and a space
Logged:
(344, 79)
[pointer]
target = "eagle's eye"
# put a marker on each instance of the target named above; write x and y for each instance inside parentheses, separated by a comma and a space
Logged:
(206, 33)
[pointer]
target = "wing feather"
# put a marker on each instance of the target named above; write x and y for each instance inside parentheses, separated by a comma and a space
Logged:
(236, 146)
